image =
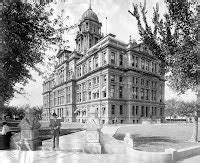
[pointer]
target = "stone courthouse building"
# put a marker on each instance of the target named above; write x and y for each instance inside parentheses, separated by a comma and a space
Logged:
(122, 82)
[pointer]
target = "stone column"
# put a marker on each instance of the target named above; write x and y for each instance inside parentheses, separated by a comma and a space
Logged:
(29, 135)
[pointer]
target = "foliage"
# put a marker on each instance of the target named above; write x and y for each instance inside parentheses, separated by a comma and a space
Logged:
(13, 111)
(173, 40)
(171, 107)
(186, 109)
(180, 108)
(27, 34)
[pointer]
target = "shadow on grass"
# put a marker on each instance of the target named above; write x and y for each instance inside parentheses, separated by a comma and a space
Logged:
(142, 140)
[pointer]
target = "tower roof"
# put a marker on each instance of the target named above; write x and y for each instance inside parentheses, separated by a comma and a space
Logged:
(89, 14)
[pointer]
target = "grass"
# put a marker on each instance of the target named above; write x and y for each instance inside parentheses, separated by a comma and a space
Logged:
(157, 138)
(45, 133)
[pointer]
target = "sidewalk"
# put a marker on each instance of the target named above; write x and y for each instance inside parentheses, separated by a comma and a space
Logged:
(195, 159)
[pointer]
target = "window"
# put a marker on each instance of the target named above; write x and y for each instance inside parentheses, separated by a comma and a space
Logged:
(142, 93)
(121, 60)
(142, 111)
(112, 57)
(84, 96)
(103, 110)
(137, 110)
(79, 71)
(161, 111)
(142, 82)
(96, 63)
(147, 65)
(79, 97)
(89, 65)
(84, 69)
(89, 95)
(79, 87)
(104, 78)
(147, 94)
(112, 78)
(120, 91)
(122, 121)
(143, 64)
(120, 79)
(96, 94)
(153, 84)
(153, 95)
(89, 83)
(84, 86)
(133, 80)
(113, 109)
(112, 91)
(68, 92)
(161, 99)
(96, 39)
(153, 67)
(104, 92)
(135, 92)
(104, 58)
(136, 62)
(147, 83)
(133, 110)
(153, 111)
(133, 61)
(147, 112)
(121, 110)
(94, 80)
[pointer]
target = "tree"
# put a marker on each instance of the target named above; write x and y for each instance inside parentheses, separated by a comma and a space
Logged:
(171, 108)
(38, 110)
(27, 34)
(173, 40)
(186, 109)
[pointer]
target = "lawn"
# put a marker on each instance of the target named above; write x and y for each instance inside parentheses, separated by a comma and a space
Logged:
(157, 138)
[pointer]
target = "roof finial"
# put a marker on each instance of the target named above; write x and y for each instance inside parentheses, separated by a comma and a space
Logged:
(90, 5)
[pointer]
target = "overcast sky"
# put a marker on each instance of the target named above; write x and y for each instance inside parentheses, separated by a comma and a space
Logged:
(119, 22)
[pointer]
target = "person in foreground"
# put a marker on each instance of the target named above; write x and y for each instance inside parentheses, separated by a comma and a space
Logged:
(55, 131)
(5, 128)
(7, 134)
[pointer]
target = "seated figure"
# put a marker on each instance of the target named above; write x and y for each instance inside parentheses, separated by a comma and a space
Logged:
(5, 128)
(6, 136)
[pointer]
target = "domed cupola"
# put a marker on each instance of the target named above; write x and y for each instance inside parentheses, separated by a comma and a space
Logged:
(89, 31)
(89, 14)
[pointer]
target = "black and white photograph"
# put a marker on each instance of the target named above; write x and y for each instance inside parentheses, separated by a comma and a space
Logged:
(99, 81)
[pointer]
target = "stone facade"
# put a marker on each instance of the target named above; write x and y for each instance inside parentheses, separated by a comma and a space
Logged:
(122, 82)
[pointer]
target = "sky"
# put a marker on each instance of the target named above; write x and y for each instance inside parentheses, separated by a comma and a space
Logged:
(119, 22)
